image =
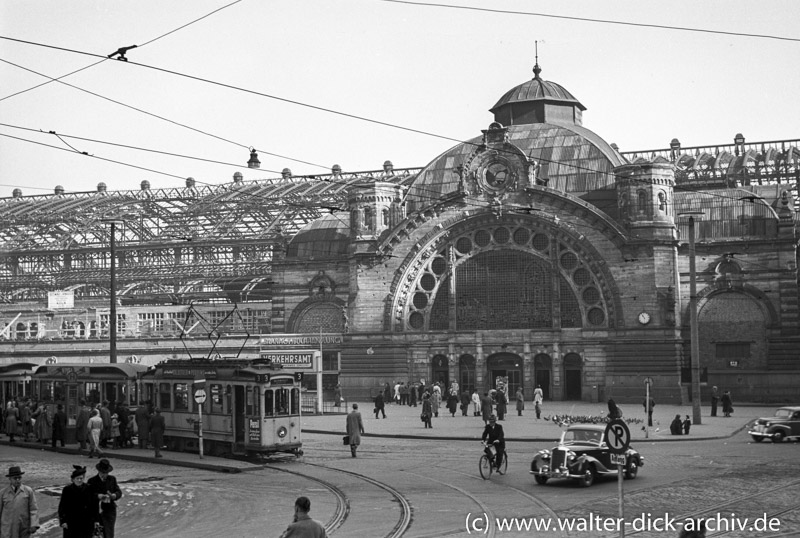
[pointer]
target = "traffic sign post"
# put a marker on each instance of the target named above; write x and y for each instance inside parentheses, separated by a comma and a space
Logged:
(618, 438)
(648, 381)
(200, 399)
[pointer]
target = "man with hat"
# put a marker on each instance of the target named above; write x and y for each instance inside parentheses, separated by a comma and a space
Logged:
(106, 490)
(19, 513)
(77, 509)
(493, 436)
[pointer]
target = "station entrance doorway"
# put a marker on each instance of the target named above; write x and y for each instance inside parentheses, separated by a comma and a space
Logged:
(505, 365)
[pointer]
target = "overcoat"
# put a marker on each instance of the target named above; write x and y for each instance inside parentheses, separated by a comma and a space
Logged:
(355, 427)
(82, 424)
(18, 512)
(79, 509)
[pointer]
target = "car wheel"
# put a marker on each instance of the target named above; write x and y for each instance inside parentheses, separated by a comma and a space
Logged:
(777, 437)
(632, 470)
(541, 480)
(757, 439)
(588, 477)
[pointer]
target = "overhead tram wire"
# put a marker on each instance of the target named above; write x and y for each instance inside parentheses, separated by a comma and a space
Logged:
(200, 131)
(106, 58)
(291, 101)
(589, 19)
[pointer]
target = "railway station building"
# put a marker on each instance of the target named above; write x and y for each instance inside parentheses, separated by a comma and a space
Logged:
(535, 252)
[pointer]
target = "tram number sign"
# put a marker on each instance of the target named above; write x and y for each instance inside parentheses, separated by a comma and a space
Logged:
(617, 436)
(200, 396)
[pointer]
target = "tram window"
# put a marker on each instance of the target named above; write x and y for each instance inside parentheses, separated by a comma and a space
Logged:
(256, 401)
(269, 408)
(92, 393)
(216, 398)
(281, 402)
(295, 401)
(249, 401)
(181, 392)
(58, 391)
(164, 396)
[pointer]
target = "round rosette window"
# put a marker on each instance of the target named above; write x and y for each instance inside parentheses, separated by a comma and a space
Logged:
(498, 176)
(282, 431)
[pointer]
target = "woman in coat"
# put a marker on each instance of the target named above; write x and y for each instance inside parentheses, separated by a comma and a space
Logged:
(12, 416)
(82, 425)
(727, 403)
(78, 509)
(452, 403)
(427, 410)
(520, 397)
(43, 428)
(355, 427)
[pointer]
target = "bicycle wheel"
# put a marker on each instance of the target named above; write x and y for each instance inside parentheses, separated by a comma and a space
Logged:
(504, 465)
(485, 467)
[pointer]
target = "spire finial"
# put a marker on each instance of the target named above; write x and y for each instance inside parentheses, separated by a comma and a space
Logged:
(536, 68)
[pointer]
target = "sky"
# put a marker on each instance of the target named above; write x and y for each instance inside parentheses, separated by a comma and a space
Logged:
(210, 79)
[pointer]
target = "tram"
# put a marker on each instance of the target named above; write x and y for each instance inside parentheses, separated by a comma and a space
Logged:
(69, 383)
(252, 406)
(15, 380)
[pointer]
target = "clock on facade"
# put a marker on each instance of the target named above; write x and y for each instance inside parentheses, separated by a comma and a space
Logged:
(644, 318)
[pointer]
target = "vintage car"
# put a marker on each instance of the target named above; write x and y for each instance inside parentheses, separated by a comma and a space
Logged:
(784, 425)
(583, 455)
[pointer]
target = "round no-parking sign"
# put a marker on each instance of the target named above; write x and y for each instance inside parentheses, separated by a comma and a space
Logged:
(617, 436)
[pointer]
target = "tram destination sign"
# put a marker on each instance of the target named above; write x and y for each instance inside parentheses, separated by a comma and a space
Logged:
(188, 372)
(291, 359)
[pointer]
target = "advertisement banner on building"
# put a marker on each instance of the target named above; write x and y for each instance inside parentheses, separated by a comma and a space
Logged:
(60, 300)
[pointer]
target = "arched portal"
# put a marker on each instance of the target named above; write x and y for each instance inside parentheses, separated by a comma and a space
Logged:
(505, 365)
(440, 372)
(542, 373)
(466, 373)
(573, 373)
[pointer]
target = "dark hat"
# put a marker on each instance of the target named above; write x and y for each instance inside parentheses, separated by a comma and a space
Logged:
(14, 471)
(78, 471)
(104, 466)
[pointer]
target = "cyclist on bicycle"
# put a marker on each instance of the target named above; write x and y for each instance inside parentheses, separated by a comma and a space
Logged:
(493, 436)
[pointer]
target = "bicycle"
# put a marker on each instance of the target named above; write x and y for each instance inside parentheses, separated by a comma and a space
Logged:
(486, 462)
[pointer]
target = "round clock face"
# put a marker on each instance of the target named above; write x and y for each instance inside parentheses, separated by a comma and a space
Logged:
(644, 318)
(498, 175)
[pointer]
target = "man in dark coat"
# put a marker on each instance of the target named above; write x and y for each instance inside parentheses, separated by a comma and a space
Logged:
(380, 406)
(354, 427)
(649, 409)
(493, 435)
(303, 526)
(502, 404)
(486, 407)
(77, 509)
(105, 414)
(465, 401)
(106, 490)
(143, 424)
(675, 425)
(412, 396)
(59, 426)
(82, 425)
(122, 415)
(157, 428)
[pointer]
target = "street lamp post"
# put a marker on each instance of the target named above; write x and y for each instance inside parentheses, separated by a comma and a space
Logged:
(112, 347)
(695, 329)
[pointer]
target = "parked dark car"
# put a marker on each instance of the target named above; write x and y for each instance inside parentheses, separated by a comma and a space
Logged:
(784, 425)
(582, 454)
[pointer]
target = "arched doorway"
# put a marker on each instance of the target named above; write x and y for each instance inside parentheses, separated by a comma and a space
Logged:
(506, 365)
(573, 369)
(440, 372)
(542, 366)
(466, 373)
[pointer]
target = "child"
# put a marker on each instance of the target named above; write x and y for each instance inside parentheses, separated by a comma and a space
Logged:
(115, 431)
(686, 425)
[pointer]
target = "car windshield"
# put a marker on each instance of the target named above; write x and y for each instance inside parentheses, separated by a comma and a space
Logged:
(783, 413)
(582, 436)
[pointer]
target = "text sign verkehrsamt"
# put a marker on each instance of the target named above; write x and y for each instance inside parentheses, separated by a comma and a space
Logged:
(617, 436)
(290, 359)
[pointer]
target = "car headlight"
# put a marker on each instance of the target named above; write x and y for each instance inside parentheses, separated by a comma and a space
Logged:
(570, 456)
(768, 424)
(282, 431)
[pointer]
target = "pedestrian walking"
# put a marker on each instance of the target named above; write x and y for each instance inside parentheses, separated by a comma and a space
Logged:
(412, 396)
(436, 399)
(25, 420)
(12, 417)
(648, 405)
(476, 403)
(95, 430)
(380, 405)
(122, 414)
(427, 411)
(106, 490)
(77, 509)
(538, 398)
(19, 513)
(486, 407)
(727, 403)
(157, 428)
(105, 414)
(43, 422)
(403, 393)
(337, 395)
(354, 428)
(82, 425)
(302, 525)
(465, 400)
(143, 423)
(714, 400)
(520, 397)
(59, 426)
(452, 403)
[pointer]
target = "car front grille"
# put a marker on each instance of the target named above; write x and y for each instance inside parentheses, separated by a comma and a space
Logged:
(557, 458)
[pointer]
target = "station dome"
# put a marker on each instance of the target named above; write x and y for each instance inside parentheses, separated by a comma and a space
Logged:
(326, 237)
(544, 121)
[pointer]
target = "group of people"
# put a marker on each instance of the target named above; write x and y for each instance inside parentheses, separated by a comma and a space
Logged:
(42, 422)
(101, 424)
(725, 400)
(85, 507)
